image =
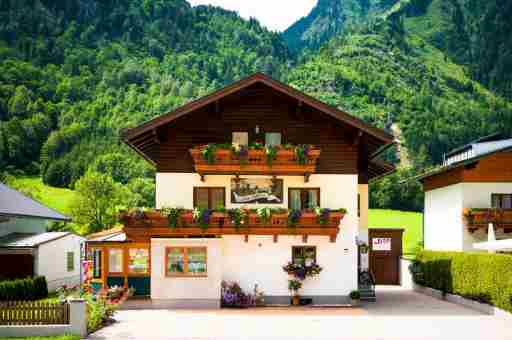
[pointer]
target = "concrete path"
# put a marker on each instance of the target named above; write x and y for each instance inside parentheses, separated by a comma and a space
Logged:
(398, 314)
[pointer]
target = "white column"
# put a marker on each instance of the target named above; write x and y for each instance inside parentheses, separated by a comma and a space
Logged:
(78, 316)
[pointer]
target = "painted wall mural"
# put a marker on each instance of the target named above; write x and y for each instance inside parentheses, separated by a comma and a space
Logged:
(256, 190)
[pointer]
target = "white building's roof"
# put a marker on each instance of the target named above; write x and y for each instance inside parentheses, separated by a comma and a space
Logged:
(24, 240)
(14, 203)
(500, 245)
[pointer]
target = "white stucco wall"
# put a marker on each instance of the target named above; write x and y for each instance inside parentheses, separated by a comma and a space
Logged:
(478, 195)
(363, 221)
(23, 225)
(443, 218)
(51, 261)
(186, 288)
(260, 260)
(444, 225)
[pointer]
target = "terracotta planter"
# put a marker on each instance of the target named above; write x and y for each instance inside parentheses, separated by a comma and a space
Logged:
(186, 219)
(335, 218)
(253, 218)
(308, 218)
(354, 302)
(279, 219)
(295, 300)
(218, 219)
(152, 215)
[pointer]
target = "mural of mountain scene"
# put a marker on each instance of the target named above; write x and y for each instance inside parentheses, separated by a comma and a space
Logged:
(75, 73)
(256, 190)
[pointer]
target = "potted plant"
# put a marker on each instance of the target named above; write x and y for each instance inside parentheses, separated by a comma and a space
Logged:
(172, 215)
(293, 286)
(186, 218)
(355, 297)
(264, 215)
(294, 217)
(468, 215)
(335, 216)
(279, 217)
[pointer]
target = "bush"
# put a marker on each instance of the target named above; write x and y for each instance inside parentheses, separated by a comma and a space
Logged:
(482, 277)
(24, 289)
(99, 311)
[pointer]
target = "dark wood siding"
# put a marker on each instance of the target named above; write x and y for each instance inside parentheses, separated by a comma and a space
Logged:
(272, 112)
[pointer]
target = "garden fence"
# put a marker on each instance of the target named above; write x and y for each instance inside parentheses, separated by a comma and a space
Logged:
(33, 313)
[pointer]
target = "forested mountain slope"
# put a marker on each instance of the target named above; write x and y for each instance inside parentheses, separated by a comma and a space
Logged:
(329, 18)
(475, 33)
(75, 72)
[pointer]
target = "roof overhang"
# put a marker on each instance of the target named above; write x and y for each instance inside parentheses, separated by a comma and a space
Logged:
(142, 138)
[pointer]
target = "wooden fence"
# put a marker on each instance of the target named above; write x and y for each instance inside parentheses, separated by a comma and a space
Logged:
(33, 313)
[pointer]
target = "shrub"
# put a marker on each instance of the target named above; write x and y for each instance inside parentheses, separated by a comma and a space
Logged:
(355, 295)
(24, 289)
(482, 277)
(98, 312)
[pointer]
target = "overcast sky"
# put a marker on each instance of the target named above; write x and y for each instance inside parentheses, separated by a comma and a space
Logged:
(276, 15)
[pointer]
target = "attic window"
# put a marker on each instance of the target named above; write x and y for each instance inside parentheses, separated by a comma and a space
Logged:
(241, 138)
(272, 138)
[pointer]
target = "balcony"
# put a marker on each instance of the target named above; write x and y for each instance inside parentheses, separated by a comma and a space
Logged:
(255, 160)
(142, 226)
(477, 218)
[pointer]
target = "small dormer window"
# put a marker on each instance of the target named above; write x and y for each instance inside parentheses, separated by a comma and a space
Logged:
(272, 138)
(240, 138)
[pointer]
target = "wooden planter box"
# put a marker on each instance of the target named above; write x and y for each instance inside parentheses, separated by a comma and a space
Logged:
(227, 162)
(279, 219)
(335, 218)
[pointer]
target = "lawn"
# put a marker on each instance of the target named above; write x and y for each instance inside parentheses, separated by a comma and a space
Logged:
(56, 198)
(411, 221)
(61, 337)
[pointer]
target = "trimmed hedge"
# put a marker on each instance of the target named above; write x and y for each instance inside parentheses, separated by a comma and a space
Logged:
(482, 277)
(24, 289)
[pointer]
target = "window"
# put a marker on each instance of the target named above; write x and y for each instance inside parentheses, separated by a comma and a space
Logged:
(501, 201)
(303, 198)
(138, 260)
(115, 260)
(209, 198)
(70, 259)
(96, 263)
(272, 138)
(185, 261)
(241, 138)
(304, 255)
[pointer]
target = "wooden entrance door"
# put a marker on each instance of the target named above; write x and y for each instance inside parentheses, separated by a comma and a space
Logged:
(385, 252)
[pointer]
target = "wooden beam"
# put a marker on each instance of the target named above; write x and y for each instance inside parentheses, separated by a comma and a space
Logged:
(246, 238)
(332, 238)
(203, 179)
(156, 137)
(306, 177)
(357, 138)
(304, 238)
(276, 237)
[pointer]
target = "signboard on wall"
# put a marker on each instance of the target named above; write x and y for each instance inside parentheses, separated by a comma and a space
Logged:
(381, 244)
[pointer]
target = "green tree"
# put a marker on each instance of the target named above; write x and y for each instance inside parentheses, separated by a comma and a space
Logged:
(97, 201)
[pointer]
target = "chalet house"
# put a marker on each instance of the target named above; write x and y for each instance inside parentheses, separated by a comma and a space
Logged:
(27, 249)
(255, 144)
(469, 198)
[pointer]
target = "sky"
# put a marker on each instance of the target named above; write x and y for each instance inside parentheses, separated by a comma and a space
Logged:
(276, 15)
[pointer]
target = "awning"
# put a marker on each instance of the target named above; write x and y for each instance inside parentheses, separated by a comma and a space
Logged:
(500, 245)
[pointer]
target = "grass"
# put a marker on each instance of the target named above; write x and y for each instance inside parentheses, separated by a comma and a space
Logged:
(55, 198)
(412, 222)
(60, 337)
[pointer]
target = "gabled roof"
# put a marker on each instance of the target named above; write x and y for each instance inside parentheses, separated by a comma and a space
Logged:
(132, 136)
(444, 168)
(26, 240)
(14, 203)
(116, 234)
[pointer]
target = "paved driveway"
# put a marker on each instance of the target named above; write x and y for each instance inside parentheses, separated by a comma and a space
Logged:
(398, 314)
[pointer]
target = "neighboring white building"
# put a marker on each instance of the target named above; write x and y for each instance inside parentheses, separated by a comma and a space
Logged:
(470, 190)
(150, 255)
(27, 249)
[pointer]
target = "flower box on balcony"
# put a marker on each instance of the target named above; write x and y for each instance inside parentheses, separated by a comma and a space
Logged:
(279, 219)
(253, 161)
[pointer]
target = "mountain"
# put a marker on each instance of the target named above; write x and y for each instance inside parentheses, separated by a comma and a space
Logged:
(474, 33)
(74, 73)
(329, 18)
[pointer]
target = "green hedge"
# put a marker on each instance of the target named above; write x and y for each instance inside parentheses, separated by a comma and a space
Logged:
(482, 277)
(24, 289)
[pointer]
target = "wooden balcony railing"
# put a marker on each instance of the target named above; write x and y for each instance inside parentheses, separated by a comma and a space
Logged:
(476, 218)
(281, 161)
(142, 227)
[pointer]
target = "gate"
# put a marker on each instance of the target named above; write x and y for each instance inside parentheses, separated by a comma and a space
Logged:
(385, 252)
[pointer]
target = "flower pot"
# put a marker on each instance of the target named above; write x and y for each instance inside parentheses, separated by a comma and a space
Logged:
(280, 219)
(308, 218)
(335, 218)
(295, 300)
(187, 219)
(354, 302)
(218, 219)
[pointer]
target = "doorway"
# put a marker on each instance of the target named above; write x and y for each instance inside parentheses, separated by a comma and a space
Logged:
(385, 253)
